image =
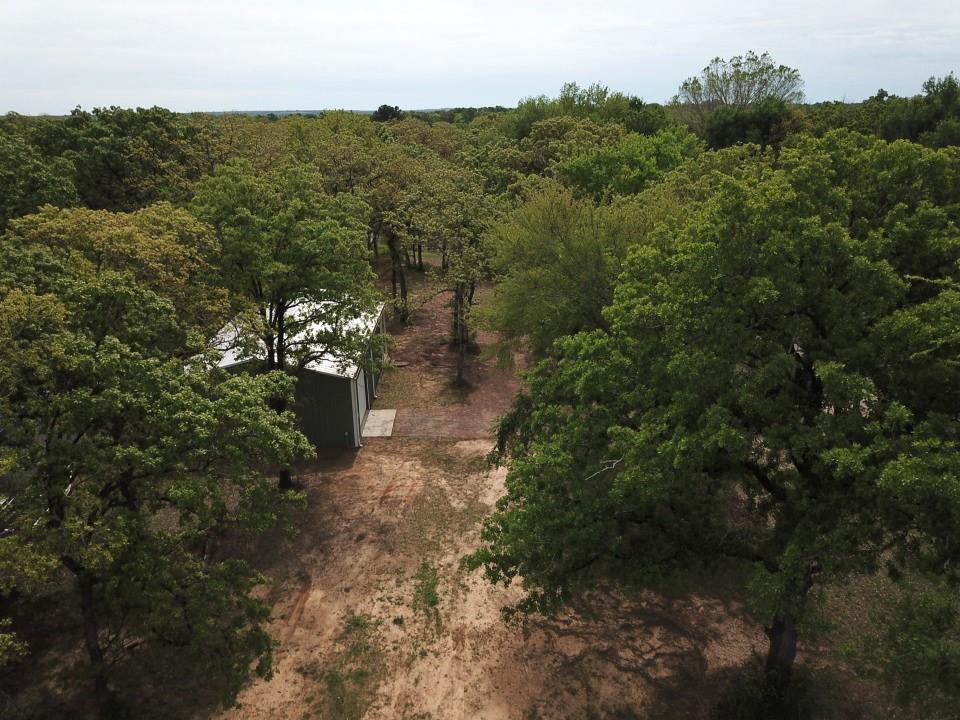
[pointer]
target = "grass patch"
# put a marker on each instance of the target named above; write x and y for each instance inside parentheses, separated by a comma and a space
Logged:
(426, 596)
(349, 682)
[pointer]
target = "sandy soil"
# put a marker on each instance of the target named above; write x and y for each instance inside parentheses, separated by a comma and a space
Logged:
(376, 619)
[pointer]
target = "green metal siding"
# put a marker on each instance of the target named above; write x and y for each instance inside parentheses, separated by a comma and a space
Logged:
(324, 405)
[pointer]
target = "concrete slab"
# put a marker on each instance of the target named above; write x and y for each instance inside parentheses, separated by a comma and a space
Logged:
(379, 423)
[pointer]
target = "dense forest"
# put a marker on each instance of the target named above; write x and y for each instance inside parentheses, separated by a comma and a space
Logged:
(741, 309)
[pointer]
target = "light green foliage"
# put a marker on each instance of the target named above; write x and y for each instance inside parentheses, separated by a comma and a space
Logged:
(739, 82)
(162, 247)
(443, 138)
(628, 165)
(555, 258)
(558, 137)
(447, 210)
(496, 157)
(125, 159)
(776, 390)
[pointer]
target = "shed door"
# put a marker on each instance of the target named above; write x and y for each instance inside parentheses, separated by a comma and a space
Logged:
(361, 398)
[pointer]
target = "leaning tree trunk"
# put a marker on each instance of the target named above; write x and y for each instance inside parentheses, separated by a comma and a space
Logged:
(782, 648)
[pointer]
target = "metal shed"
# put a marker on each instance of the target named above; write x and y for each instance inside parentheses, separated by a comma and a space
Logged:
(332, 396)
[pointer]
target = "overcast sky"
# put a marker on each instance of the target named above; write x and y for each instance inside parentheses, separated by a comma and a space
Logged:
(357, 54)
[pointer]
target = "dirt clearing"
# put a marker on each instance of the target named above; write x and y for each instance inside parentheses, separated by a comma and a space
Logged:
(376, 618)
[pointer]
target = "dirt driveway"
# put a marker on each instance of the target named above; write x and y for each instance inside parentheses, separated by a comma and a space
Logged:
(376, 618)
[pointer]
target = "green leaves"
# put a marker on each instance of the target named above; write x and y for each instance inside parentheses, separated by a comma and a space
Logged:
(627, 166)
(119, 455)
(771, 386)
(285, 244)
(28, 180)
(556, 258)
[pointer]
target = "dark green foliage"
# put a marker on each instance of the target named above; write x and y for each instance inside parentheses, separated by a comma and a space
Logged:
(931, 118)
(386, 112)
(131, 454)
(29, 180)
(925, 118)
(286, 242)
(753, 695)
(765, 123)
(733, 88)
(645, 118)
(915, 649)
(125, 159)
(595, 102)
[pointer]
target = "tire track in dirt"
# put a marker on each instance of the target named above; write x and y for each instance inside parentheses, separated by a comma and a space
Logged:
(296, 615)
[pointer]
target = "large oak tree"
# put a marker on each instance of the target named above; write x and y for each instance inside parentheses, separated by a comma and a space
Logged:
(777, 391)
(122, 450)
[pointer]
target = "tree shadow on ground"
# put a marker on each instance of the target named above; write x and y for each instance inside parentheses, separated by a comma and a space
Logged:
(53, 681)
(616, 658)
(743, 692)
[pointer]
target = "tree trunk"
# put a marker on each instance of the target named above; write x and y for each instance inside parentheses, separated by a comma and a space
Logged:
(783, 648)
(420, 257)
(279, 405)
(284, 482)
(399, 275)
(783, 633)
(91, 638)
(461, 362)
(404, 311)
(459, 329)
(277, 360)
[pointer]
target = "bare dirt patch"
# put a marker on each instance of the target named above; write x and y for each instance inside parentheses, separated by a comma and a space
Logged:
(419, 385)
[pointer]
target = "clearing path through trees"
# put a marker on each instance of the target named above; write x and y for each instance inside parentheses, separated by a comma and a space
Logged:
(376, 618)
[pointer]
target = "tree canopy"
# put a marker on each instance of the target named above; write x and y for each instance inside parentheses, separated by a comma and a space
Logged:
(740, 82)
(120, 456)
(773, 391)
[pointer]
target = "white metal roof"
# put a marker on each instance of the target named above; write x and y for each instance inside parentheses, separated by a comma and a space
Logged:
(227, 342)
